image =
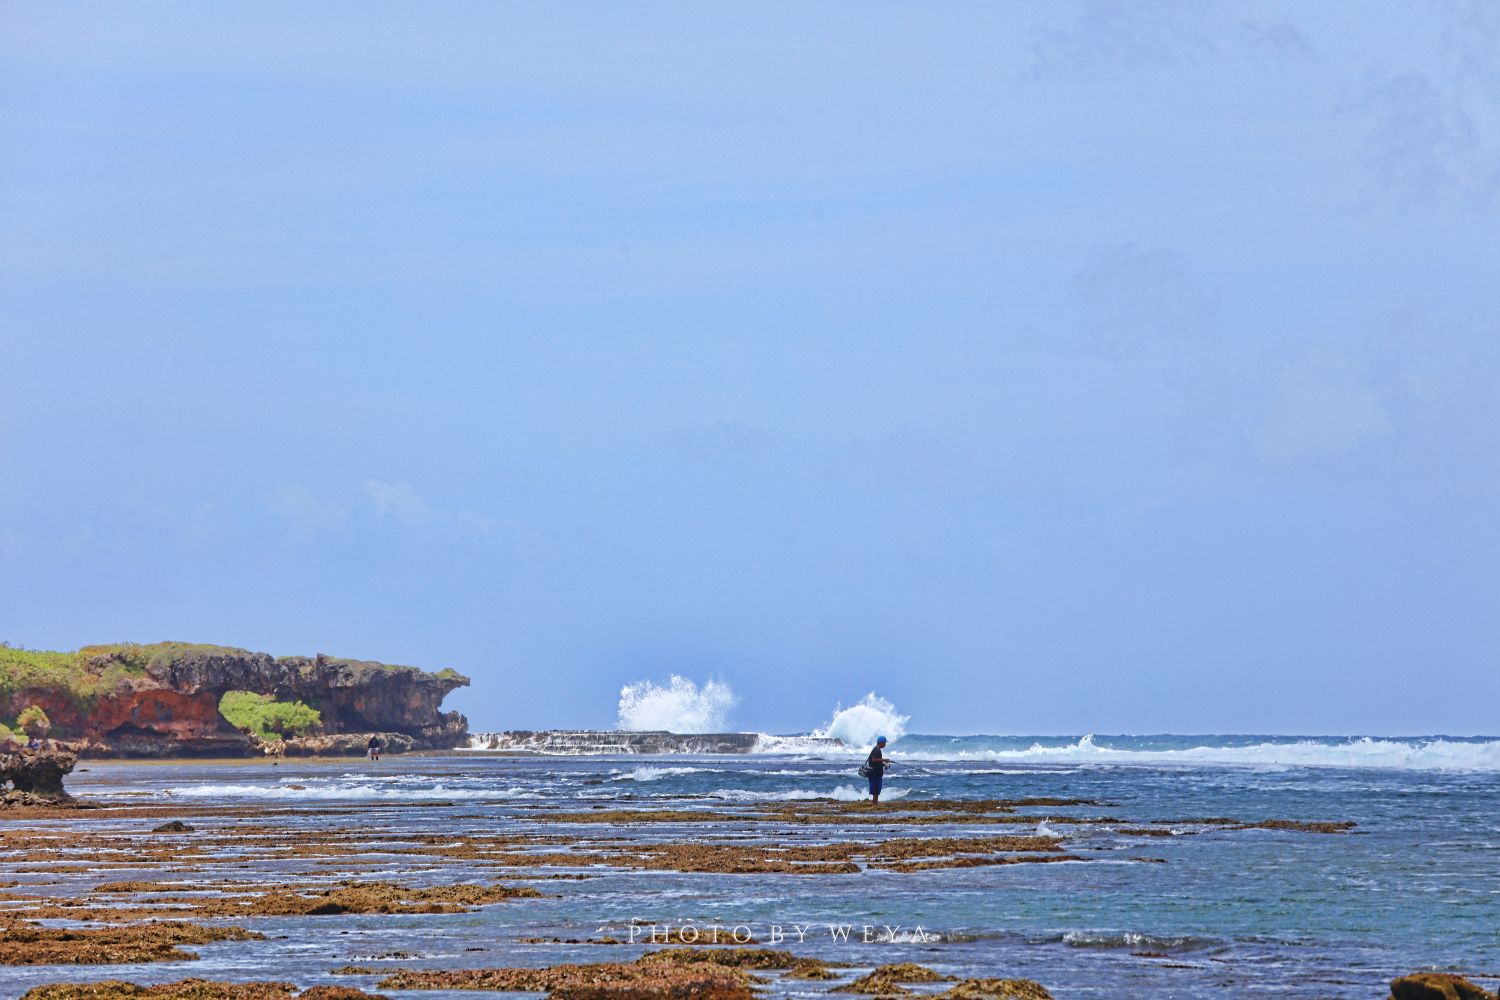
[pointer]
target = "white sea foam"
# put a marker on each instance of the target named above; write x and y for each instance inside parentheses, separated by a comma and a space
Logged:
(655, 773)
(843, 793)
(1436, 754)
(848, 793)
(801, 746)
(680, 707)
(349, 791)
(860, 723)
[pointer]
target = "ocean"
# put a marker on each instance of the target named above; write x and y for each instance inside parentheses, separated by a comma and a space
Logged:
(1159, 904)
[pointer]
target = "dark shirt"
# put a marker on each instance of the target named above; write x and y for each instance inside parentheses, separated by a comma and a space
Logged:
(875, 762)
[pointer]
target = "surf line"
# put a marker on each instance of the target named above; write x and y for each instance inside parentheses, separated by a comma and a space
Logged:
(868, 933)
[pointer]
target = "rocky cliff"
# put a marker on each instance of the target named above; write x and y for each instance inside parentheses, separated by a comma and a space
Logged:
(163, 699)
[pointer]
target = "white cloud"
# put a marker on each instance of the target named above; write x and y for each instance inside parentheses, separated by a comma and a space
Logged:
(400, 501)
(727, 437)
(306, 514)
(1436, 130)
(403, 503)
(1316, 408)
(1126, 298)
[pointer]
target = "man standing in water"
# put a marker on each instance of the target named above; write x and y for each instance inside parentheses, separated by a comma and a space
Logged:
(875, 764)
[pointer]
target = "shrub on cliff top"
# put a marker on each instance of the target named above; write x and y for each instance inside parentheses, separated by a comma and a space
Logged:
(33, 721)
(266, 717)
(79, 676)
(83, 675)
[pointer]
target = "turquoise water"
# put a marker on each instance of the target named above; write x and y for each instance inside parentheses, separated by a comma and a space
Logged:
(1232, 913)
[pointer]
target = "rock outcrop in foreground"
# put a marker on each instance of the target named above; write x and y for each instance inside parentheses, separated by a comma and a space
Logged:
(565, 741)
(36, 778)
(162, 700)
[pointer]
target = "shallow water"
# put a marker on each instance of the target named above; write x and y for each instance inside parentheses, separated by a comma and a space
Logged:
(1235, 913)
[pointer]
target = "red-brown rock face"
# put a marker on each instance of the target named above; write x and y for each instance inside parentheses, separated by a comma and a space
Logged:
(171, 707)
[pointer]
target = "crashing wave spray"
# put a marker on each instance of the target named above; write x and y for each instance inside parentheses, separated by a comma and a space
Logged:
(680, 707)
(860, 723)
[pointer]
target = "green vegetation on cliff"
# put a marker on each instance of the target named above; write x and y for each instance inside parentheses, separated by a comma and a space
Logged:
(266, 717)
(80, 676)
(33, 721)
(125, 671)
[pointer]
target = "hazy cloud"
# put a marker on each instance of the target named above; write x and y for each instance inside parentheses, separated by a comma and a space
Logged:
(1316, 407)
(400, 501)
(1437, 130)
(1126, 298)
(1121, 34)
(727, 437)
(305, 513)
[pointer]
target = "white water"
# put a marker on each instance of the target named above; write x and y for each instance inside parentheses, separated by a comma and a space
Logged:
(337, 791)
(860, 723)
(1435, 754)
(654, 773)
(680, 707)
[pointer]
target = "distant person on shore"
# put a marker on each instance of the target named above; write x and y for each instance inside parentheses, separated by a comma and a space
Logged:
(33, 744)
(374, 746)
(876, 764)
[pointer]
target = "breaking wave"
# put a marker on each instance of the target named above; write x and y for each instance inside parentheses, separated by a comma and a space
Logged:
(1258, 753)
(1135, 939)
(680, 707)
(807, 746)
(860, 723)
(655, 773)
(349, 791)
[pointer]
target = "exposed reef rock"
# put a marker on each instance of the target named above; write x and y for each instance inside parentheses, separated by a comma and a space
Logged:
(157, 941)
(1437, 986)
(193, 989)
(997, 989)
(162, 700)
(342, 745)
(560, 741)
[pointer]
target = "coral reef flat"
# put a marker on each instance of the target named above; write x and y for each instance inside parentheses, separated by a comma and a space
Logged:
(707, 876)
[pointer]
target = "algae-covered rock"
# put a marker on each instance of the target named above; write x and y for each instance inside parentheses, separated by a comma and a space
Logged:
(192, 989)
(22, 944)
(604, 981)
(1437, 986)
(997, 989)
(884, 980)
(183, 989)
(739, 958)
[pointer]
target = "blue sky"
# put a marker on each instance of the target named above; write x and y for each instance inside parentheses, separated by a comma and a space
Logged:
(1043, 367)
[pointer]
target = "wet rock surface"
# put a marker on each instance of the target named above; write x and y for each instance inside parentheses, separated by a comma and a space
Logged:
(617, 980)
(1437, 986)
(160, 941)
(739, 958)
(191, 989)
(997, 989)
(886, 980)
